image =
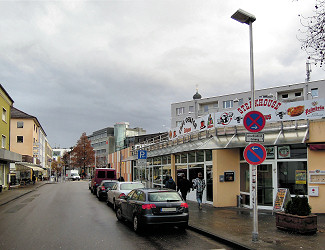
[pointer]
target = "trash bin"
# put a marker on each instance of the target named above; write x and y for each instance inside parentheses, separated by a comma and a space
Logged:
(238, 201)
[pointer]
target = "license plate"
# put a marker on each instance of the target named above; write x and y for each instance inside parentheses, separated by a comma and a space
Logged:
(168, 209)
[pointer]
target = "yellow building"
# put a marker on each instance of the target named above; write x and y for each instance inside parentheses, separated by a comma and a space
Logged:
(6, 156)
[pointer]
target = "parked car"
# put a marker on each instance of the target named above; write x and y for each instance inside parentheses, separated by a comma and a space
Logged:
(100, 175)
(121, 189)
(146, 206)
(103, 188)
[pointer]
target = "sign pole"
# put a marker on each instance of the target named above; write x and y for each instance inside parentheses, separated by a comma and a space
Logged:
(253, 167)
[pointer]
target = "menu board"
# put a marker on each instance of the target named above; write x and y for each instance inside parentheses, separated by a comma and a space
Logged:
(281, 199)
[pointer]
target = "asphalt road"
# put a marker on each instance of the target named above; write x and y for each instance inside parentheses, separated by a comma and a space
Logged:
(67, 216)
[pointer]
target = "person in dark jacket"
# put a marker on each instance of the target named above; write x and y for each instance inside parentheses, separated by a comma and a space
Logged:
(184, 186)
(170, 183)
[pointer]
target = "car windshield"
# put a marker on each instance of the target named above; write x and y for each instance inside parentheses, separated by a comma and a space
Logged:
(109, 184)
(164, 196)
(130, 186)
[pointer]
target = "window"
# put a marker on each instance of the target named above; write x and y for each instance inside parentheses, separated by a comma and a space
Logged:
(191, 109)
(20, 139)
(297, 94)
(314, 92)
(4, 114)
(4, 140)
(228, 104)
(101, 174)
(180, 111)
(215, 105)
(20, 124)
(285, 96)
(293, 175)
(240, 101)
(206, 108)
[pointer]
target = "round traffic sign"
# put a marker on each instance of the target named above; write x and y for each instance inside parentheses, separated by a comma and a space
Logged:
(255, 153)
(254, 121)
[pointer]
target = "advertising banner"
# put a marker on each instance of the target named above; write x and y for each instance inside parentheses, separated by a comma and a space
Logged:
(273, 111)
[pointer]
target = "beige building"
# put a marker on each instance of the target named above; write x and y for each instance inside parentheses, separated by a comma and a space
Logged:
(25, 135)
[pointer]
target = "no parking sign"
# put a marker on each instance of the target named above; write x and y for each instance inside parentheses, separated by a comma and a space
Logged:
(255, 154)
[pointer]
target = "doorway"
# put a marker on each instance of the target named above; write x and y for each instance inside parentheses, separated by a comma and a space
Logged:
(266, 184)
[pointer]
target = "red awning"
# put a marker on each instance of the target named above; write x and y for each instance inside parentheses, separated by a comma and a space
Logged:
(317, 146)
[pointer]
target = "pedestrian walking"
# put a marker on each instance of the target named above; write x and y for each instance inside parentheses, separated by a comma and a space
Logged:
(184, 186)
(199, 185)
(170, 183)
(34, 179)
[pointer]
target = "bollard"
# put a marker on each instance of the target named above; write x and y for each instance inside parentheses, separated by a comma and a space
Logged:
(239, 200)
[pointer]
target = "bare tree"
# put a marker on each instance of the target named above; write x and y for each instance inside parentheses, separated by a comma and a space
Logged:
(83, 154)
(313, 35)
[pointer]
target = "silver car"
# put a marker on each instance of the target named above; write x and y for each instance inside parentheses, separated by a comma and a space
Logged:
(121, 189)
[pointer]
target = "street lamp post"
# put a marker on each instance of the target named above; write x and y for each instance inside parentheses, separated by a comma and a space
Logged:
(247, 18)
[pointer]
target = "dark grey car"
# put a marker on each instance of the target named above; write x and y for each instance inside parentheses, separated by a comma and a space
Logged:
(153, 207)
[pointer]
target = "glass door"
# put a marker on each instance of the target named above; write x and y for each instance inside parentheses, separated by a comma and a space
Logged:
(209, 180)
(265, 184)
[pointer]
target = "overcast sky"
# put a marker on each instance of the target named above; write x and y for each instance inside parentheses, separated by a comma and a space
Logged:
(80, 66)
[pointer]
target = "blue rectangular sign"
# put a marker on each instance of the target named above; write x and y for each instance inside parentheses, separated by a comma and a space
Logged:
(142, 154)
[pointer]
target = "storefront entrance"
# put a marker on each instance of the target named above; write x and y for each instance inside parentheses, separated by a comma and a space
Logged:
(266, 184)
(266, 174)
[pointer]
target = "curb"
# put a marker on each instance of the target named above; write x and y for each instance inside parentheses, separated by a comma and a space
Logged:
(230, 243)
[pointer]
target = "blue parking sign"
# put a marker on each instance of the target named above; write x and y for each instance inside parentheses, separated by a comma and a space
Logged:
(142, 154)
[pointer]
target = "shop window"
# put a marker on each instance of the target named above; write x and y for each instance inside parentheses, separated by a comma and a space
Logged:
(184, 158)
(20, 139)
(292, 152)
(191, 157)
(178, 158)
(244, 177)
(164, 160)
(208, 155)
(157, 160)
(200, 156)
(270, 152)
(293, 175)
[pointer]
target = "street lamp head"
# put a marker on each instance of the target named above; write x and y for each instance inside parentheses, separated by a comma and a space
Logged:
(243, 16)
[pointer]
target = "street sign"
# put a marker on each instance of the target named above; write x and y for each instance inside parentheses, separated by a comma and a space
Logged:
(254, 121)
(254, 137)
(254, 154)
(142, 154)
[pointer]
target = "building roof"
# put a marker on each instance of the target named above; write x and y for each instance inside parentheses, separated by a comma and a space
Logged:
(2, 88)
(16, 113)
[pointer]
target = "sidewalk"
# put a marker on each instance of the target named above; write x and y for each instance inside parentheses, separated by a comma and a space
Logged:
(235, 226)
(232, 226)
(7, 196)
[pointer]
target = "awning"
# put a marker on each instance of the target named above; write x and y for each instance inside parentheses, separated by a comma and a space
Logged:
(316, 146)
(27, 165)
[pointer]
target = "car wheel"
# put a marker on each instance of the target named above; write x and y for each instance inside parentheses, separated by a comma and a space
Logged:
(137, 227)
(114, 205)
(183, 226)
(119, 214)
